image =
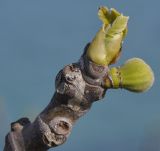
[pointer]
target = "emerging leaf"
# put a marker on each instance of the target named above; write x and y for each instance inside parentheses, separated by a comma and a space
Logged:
(105, 47)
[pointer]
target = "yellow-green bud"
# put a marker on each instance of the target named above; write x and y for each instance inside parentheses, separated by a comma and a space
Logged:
(105, 47)
(135, 75)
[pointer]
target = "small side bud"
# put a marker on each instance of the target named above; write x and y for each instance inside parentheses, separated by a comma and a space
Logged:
(135, 75)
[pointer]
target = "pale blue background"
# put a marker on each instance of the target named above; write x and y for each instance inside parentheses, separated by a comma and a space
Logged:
(39, 37)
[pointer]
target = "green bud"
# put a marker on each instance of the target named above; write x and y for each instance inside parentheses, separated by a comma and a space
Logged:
(106, 45)
(135, 75)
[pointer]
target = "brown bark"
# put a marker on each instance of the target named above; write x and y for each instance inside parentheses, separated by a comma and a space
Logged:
(78, 85)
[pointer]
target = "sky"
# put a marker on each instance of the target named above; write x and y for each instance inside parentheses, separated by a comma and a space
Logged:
(39, 37)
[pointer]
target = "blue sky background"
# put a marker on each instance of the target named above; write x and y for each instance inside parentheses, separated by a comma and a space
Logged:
(39, 37)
